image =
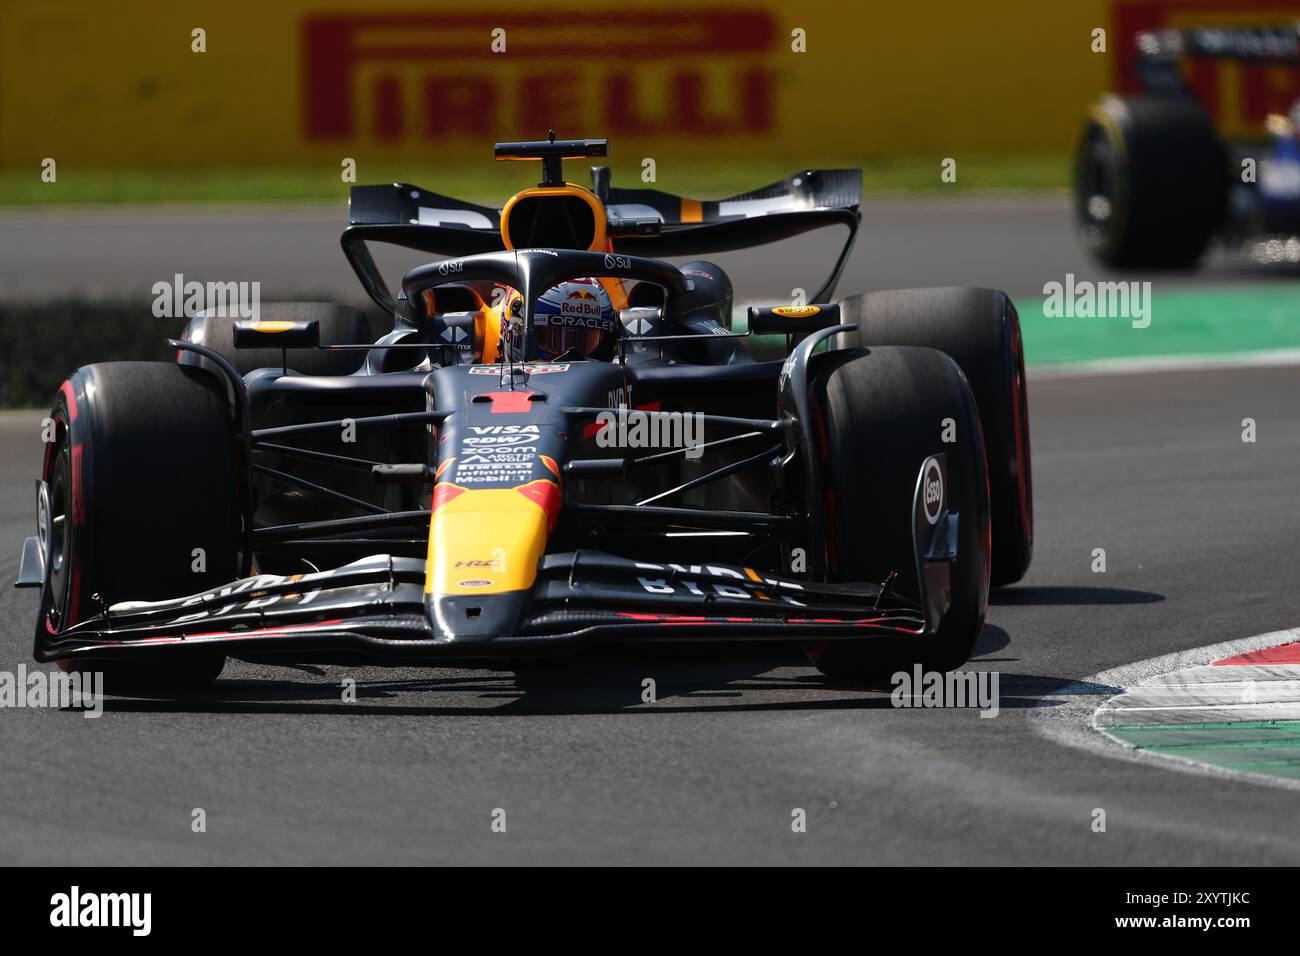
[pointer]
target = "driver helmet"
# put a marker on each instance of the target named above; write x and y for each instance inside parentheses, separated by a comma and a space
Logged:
(575, 317)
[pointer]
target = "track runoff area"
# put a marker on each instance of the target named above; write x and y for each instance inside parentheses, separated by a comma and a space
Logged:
(1230, 708)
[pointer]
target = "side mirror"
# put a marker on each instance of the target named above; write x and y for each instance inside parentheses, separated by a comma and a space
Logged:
(792, 319)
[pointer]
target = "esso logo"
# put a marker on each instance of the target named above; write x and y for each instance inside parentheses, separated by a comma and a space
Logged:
(45, 523)
(932, 491)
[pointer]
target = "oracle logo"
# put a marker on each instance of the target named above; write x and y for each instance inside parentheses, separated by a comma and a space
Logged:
(405, 76)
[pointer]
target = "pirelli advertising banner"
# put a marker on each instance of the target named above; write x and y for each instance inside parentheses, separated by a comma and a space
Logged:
(154, 83)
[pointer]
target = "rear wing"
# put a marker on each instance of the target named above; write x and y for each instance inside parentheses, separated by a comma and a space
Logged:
(822, 190)
(405, 215)
(1160, 54)
(1265, 44)
(646, 222)
(808, 200)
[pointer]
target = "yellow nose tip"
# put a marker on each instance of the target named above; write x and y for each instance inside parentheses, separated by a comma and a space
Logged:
(488, 540)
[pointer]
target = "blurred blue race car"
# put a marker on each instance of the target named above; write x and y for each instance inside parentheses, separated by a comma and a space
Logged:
(1156, 182)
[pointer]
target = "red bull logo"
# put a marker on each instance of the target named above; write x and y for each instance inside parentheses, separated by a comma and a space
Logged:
(581, 310)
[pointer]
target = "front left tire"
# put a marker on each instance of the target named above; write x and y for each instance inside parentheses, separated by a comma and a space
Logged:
(878, 414)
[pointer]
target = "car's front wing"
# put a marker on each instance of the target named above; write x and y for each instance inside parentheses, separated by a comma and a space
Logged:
(375, 607)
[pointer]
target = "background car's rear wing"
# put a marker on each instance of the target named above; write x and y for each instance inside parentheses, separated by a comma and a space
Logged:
(1160, 53)
(1269, 44)
(646, 222)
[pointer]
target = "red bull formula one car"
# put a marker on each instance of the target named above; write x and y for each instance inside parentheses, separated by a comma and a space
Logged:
(563, 441)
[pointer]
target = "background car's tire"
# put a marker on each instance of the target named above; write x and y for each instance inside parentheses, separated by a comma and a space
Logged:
(879, 415)
(980, 329)
(1151, 182)
(142, 472)
(339, 325)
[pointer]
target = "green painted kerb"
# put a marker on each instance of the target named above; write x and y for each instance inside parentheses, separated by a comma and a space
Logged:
(1183, 322)
(1262, 746)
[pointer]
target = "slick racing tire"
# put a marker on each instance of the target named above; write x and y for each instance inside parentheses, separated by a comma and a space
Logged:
(878, 415)
(1151, 182)
(143, 506)
(980, 329)
(338, 325)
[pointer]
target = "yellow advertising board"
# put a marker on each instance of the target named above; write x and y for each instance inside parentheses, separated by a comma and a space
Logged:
(156, 83)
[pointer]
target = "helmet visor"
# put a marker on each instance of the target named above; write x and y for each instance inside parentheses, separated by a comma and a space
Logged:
(556, 337)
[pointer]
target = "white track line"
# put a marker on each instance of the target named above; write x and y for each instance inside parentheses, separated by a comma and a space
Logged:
(1066, 716)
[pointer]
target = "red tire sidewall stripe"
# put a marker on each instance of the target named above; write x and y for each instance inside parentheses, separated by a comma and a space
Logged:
(76, 501)
(1019, 406)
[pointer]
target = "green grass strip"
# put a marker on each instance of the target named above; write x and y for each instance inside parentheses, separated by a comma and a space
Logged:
(1269, 746)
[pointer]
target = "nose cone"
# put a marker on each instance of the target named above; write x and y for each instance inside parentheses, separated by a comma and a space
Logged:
(484, 545)
(477, 620)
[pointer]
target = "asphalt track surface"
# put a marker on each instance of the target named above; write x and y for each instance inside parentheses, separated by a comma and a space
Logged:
(1200, 533)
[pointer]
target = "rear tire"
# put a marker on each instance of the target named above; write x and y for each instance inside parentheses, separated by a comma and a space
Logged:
(1151, 182)
(338, 325)
(142, 472)
(980, 329)
(880, 415)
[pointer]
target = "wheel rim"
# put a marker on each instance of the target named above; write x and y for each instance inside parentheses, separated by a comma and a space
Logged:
(60, 542)
(1097, 197)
